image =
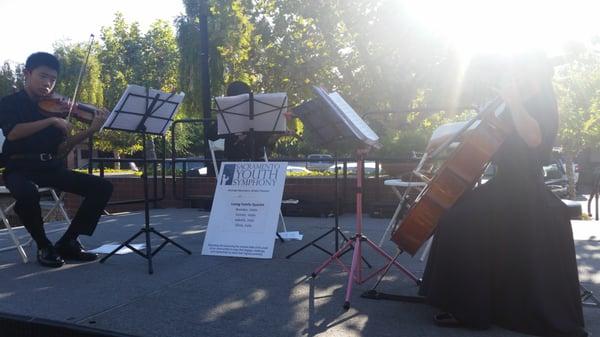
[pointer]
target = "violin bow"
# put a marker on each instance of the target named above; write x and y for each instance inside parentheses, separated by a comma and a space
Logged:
(81, 70)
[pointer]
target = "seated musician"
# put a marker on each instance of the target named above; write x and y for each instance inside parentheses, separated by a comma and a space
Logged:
(238, 146)
(34, 150)
(504, 253)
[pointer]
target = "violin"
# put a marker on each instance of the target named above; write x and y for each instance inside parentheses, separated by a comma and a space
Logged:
(57, 105)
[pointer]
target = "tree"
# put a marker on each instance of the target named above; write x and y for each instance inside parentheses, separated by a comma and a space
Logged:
(72, 57)
(129, 56)
(229, 33)
(7, 80)
(578, 96)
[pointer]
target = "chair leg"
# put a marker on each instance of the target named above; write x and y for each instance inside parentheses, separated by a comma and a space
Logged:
(61, 208)
(17, 245)
(58, 204)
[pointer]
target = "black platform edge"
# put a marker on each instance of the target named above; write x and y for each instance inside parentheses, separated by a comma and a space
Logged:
(26, 326)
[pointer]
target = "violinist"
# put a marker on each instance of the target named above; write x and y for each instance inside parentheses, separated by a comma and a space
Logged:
(33, 150)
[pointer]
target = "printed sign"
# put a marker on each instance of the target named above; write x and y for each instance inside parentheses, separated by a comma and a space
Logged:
(243, 219)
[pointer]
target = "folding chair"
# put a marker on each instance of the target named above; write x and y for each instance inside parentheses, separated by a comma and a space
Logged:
(286, 201)
(56, 204)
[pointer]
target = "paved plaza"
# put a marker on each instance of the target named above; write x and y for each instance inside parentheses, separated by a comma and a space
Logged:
(196, 295)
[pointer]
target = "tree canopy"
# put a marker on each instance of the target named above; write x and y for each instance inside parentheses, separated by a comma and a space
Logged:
(402, 78)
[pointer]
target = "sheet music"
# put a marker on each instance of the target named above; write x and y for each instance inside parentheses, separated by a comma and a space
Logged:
(130, 110)
(234, 113)
(235, 118)
(266, 116)
(354, 122)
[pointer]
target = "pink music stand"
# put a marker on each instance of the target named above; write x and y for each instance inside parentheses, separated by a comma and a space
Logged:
(365, 136)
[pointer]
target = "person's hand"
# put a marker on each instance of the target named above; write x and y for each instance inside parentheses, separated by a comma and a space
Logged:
(63, 104)
(510, 92)
(62, 124)
(99, 119)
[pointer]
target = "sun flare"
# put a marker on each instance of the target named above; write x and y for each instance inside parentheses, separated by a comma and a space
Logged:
(508, 26)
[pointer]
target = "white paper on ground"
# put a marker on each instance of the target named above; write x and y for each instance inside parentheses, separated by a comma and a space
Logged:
(106, 249)
(295, 235)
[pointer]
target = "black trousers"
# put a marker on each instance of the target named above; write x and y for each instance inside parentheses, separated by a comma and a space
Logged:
(21, 183)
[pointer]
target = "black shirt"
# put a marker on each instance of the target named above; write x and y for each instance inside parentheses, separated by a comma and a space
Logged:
(19, 108)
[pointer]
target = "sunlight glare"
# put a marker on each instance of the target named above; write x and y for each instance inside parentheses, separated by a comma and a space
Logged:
(508, 26)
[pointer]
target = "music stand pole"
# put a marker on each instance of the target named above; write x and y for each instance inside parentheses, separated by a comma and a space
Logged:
(355, 271)
(337, 203)
(251, 130)
(147, 229)
(336, 228)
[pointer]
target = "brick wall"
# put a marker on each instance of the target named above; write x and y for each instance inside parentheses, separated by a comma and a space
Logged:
(307, 189)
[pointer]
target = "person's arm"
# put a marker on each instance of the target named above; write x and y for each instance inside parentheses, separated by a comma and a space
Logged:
(526, 126)
(23, 130)
(65, 147)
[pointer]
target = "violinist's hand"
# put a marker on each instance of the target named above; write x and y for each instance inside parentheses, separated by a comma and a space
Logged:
(62, 124)
(65, 105)
(99, 119)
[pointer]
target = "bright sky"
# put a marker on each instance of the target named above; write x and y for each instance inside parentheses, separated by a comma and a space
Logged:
(28, 26)
(507, 26)
(474, 26)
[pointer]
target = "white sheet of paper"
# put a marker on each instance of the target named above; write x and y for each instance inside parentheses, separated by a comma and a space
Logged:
(236, 115)
(129, 111)
(236, 112)
(294, 235)
(354, 122)
(266, 116)
(106, 249)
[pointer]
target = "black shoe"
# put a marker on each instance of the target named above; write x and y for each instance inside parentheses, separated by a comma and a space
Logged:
(48, 257)
(72, 250)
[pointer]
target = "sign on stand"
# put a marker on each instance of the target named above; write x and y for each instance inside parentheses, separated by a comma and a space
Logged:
(245, 211)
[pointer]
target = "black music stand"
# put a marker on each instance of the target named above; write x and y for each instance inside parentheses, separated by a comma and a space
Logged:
(143, 110)
(327, 134)
(250, 113)
(352, 129)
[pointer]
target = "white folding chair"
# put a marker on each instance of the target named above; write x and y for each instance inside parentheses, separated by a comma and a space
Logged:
(55, 204)
(285, 201)
(402, 200)
(217, 145)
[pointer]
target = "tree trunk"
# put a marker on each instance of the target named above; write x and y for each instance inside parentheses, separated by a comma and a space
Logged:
(117, 155)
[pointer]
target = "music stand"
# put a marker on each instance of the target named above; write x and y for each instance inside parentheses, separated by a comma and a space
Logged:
(351, 128)
(321, 126)
(250, 113)
(146, 111)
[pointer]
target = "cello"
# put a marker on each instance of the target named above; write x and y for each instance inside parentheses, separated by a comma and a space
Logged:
(458, 174)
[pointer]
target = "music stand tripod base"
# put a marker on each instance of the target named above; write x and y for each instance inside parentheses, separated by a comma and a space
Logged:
(355, 270)
(587, 297)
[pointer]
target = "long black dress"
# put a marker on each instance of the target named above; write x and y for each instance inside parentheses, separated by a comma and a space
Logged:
(504, 254)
